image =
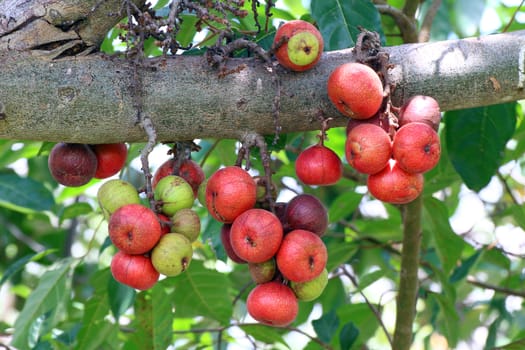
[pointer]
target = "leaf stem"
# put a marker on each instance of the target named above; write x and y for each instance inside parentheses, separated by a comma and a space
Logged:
(408, 280)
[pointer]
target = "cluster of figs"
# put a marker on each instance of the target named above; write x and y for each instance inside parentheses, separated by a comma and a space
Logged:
(280, 242)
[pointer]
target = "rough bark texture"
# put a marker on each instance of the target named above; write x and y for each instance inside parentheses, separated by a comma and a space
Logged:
(89, 99)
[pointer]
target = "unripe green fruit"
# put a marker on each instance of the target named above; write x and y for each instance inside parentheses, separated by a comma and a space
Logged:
(174, 193)
(114, 194)
(201, 193)
(172, 254)
(187, 222)
(310, 290)
(262, 272)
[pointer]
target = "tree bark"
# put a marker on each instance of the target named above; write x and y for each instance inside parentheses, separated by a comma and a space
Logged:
(89, 99)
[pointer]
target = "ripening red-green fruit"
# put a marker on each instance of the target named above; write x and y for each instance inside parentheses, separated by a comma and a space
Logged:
(72, 164)
(263, 272)
(306, 212)
(318, 165)
(187, 222)
(189, 170)
(420, 108)
(135, 271)
(302, 256)
(416, 147)
(256, 235)
(134, 229)
(394, 185)
(301, 45)
(368, 148)
(111, 157)
(273, 304)
(355, 90)
(230, 191)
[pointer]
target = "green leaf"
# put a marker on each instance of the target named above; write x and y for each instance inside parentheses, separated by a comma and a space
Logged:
(338, 21)
(448, 245)
(518, 214)
(339, 252)
(344, 205)
(334, 294)
(20, 263)
(154, 318)
(121, 297)
(369, 278)
(51, 291)
(266, 334)
(24, 194)
(348, 336)
(515, 345)
(74, 210)
(187, 29)
(326, 326)
(362, 317)
(476, 140)
(95, 327)
(451, 318)
(202, 292)
(462, 270)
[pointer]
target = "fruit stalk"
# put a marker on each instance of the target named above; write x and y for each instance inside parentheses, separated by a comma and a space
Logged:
(408, 281)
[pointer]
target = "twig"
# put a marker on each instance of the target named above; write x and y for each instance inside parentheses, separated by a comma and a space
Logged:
(374, 310)
(410, 8)
(406, 24)
(507, 187)
(255, 140)
(424, 32)
(498, 289)
(235, 324)
(513, 17)
(149, 129)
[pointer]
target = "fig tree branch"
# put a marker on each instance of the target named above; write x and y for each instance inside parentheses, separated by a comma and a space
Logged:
(408, 281)
(89, 100)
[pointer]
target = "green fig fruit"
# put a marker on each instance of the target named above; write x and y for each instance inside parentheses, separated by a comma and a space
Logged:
(172, 254)
(174, 193)
(116, 193)
(310, 290)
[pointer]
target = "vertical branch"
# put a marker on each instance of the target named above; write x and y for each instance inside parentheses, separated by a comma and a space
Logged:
(408, 280)
(424, 33)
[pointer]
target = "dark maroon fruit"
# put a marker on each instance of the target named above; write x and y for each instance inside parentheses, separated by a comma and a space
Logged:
(72, 164)
(306, 212)
(226, 243)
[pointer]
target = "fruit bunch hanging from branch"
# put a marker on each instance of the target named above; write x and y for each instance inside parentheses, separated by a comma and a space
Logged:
(282, 243)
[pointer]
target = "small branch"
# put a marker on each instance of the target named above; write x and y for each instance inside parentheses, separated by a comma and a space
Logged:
(149, 129)
(374, 310)
(408, 279)
(513, 16)
(222, 329)
(406, 24)
(255, 140)
(410, 8)
(426, 25)
(507, 188)
(497, 289)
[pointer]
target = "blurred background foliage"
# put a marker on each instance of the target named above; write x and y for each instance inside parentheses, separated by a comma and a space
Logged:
(57, 291)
